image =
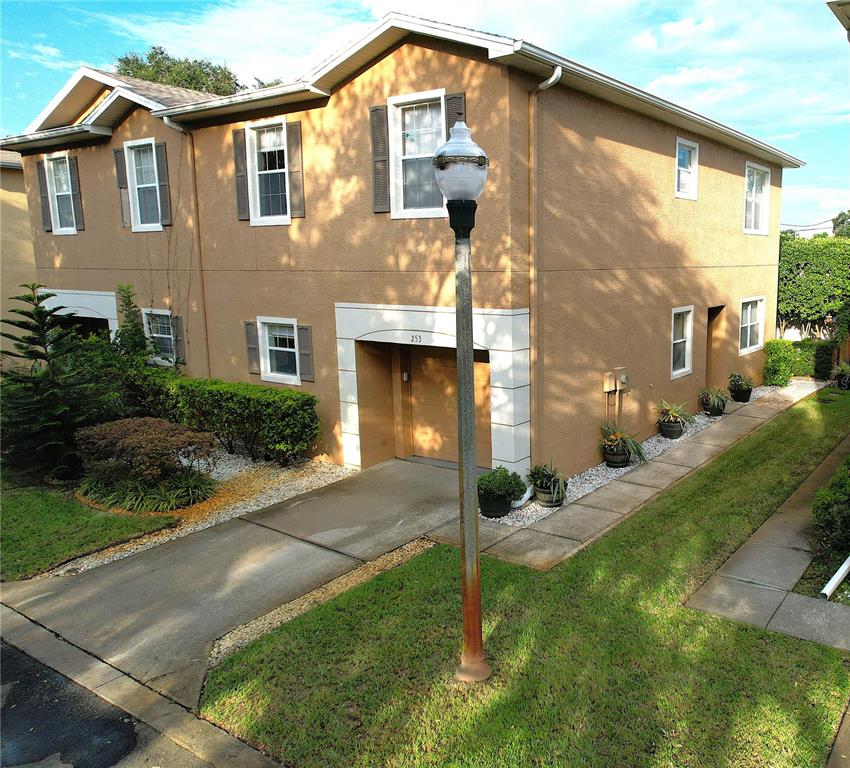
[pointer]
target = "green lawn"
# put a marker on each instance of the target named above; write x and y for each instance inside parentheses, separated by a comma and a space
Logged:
(42, 528)
(595, 663)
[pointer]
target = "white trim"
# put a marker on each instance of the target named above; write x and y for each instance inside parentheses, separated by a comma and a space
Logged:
(133, 190)
(266, 374)
(694, 170)
(97, 304)
(689, 341)
(760, 306)
(167, 312)
(764, 230)
(119, 93)
(394, 105)
(504, 333)
(51, 193)
(251, 129)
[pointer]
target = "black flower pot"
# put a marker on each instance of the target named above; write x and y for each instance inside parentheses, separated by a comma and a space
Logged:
(616, 458)
(493, 506)
(741, 395)
(672, 430)
(712, 410)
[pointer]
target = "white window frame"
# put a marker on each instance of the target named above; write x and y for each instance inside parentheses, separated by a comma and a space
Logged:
(689, 341)
(256, 220)
(159, 360)
(129, 146)
(692, 145)
(266, 374)
(51, 194)
(760, 304)
(765, 203)
(394, 105)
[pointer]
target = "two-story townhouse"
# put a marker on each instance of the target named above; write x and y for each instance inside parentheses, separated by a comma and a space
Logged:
(307, 245)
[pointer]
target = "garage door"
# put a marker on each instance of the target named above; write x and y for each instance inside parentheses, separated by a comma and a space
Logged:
(433, 395)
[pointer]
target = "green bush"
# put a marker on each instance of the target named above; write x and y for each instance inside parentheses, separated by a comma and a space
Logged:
(831, 512)
(183, 490)
(266, 421)
(503, 483)
(812, 357)
(152, 390)
(778, 362)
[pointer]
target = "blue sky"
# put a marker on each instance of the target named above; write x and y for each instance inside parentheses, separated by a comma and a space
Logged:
(776, 70)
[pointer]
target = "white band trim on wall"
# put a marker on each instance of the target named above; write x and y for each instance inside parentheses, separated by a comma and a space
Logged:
(504, 333)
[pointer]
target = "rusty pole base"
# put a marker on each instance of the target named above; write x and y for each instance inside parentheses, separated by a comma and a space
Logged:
(472, 670)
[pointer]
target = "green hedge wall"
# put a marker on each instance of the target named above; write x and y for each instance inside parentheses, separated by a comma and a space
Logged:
(784, 359)
(269, 422)
(831, 511)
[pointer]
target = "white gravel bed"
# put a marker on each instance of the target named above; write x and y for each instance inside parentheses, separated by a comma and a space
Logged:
(284, 483)
(764, 389)
(583, 483)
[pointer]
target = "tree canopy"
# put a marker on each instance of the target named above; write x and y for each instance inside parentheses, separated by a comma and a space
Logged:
(841, 224)
(814, 280)
(158, 66)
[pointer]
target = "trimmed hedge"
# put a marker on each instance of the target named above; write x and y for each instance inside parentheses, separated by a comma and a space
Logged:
(268, 422)
(831, 511)
(784, 359)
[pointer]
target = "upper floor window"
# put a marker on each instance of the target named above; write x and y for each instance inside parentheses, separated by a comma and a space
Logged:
(757, 199)
(60, 194)
(143, 185)
(752, 325)
(687, 165)
(417, 127)
(278, 339)
(158, 329)
(682, 341)
(268, 174)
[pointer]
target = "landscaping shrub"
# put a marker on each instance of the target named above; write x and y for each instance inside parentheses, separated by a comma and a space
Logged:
(151, 390)
(144, 449)
(266, 421)
(812, 357)
(831, 512)
(778, 362)
(503, 483)
(183, 490)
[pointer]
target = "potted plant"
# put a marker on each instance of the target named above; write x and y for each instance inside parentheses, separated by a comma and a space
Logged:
(740, 387)
(672, 419)
(840, 376)
(497, 489)
(713, 400)
(549, 483)
(619, 447)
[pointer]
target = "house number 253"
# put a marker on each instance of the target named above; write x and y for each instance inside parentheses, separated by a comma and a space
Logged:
(415, 338)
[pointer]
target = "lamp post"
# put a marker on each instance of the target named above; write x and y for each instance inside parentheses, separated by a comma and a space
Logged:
(460, 166)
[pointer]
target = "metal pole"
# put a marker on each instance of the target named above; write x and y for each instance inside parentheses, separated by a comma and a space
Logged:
(473, 667)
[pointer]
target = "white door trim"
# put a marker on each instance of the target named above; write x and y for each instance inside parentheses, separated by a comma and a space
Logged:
(98, 304)
(504, 333)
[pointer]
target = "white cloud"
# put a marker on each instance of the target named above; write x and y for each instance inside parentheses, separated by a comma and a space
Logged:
(37, 53)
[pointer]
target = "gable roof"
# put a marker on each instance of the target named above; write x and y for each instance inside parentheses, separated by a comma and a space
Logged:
(513, 52)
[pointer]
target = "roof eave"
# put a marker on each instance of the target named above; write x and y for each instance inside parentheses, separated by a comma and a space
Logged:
(54, 137)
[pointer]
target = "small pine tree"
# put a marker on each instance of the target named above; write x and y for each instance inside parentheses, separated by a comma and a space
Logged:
(47, 398)
(130, 339)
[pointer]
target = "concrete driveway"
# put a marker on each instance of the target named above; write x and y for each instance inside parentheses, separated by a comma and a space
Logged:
(155, 615)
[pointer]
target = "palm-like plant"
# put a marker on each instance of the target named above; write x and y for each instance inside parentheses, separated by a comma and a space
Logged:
(668, 412)
(614, 438)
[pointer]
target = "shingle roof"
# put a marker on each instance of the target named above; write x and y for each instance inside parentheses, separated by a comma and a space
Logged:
(9, 159)
(167, 95)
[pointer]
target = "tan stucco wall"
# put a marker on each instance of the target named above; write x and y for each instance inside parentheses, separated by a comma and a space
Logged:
(161, 266)
(17, 263)
(618, 251)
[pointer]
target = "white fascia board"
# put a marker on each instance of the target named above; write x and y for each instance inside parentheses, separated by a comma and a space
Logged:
(697, 122)
(299, 87)
(120, 92)
(40, 139)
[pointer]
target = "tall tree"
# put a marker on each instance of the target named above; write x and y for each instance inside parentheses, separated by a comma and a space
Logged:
(841, 224)
(158, 66)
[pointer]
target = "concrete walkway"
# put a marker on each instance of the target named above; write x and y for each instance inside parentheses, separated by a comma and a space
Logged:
(754, 585)
(576, 525)
(155, 615)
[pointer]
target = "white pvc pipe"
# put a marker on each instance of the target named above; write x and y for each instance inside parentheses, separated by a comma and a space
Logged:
(833, 583)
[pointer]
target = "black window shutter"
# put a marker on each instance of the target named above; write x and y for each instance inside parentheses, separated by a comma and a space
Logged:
(46, 220)
(123, 192)
(380, 158)
(455, 110)
(296, 173)
(240, 165)
(76, 198)
(305, 353)
(164, 193)
(252, 344)
(179, 341)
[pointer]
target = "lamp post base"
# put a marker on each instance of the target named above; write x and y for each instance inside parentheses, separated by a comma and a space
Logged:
(472, 670)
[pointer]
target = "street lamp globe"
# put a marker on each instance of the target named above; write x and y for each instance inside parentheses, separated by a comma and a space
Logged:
(460, 165)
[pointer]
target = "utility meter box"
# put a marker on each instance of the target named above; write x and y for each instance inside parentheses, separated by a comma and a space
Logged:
(609, 382)
(623, 379)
